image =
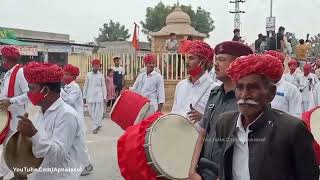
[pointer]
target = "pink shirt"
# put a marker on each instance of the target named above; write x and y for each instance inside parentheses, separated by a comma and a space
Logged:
(111, 94)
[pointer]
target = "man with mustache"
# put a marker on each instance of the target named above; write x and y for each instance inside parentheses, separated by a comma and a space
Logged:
(260, 143)
(221, 99)
(293, 76)
(288, 98)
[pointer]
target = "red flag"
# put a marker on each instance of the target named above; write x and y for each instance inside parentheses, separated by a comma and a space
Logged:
(135, 42)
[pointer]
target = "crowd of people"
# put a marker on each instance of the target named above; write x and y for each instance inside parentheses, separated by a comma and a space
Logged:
(230, 93)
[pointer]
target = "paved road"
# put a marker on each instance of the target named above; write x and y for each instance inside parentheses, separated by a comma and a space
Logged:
(103, 152)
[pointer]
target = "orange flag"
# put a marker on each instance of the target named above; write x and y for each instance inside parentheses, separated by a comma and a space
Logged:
(135, 41)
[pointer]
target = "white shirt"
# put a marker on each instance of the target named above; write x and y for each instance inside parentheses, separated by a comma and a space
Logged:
(295, 79)
(213, 76)
(18, 106)
(72, 95)
(307, 86)
(58, 141)
(288, 99)
(316, 94)
(94, 89)
(150, 86)
(196, 94)
(240, 160)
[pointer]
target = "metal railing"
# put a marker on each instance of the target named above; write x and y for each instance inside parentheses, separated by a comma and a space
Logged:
(172, 66)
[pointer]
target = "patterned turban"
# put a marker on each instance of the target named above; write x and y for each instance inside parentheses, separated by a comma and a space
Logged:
(10, 53)
(39, 73)
(73, 70)
(201, 49)
(265, 65)
(276, 54)
(233, 48)
(292, 62)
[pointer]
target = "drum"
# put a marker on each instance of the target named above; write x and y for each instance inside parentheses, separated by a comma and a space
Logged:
(312, 120)
(4, 124)
(18, 150)
(129, 109)
(158, 147)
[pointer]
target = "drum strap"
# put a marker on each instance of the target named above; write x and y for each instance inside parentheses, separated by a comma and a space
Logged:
(12, 82)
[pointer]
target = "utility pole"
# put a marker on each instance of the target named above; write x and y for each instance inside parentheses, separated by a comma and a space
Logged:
(237, 12)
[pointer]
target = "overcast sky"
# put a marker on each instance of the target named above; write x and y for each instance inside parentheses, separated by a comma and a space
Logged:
(83, 18)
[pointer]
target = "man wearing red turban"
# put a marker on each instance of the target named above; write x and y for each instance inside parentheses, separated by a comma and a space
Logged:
(150, 84)
(13, 90)
(288, 98)
(95, 94)
(293, 77)
(56, 133)
(220, 99)
(309, 81)
(72, 95)
(260, 142)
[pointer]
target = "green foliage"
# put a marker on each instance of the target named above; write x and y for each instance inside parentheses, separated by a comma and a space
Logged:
(156, 18)
(113, 31)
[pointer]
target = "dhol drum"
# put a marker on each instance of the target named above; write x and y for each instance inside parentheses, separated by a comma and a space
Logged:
(129, 108)
(312, 120)
(161, 146)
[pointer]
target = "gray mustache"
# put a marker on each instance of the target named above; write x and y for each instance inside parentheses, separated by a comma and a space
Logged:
(250, 102)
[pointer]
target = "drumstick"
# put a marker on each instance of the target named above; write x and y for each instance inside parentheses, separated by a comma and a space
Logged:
(20, 136)
(191, 108)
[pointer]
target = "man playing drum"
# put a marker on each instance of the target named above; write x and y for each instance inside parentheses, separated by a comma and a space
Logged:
(259, 142)
(192, 94)
(95, 94)
(56, 133)
(221, 99)
(13, 88)
(150, 84)
(72, 95)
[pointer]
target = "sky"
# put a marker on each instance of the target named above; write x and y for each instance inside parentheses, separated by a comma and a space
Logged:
(81, 19)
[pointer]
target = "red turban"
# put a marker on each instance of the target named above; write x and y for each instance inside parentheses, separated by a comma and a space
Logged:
(292, 62)
(38, 73)
(10, 53)
(96, 62)
(149, 58)
(201, 49)
(73, 70)
(233, 48)
(307, 68)
(266, 65)
(183, 48)
(276, 54)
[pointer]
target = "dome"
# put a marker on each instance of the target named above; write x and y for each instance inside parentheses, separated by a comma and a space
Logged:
(178, 16)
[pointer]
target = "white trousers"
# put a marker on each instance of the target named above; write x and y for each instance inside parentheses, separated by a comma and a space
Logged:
(96, 113)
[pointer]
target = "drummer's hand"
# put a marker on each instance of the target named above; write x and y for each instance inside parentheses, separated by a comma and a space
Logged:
(194, 115)
(4, 104)
(25, 126)
(195, 176)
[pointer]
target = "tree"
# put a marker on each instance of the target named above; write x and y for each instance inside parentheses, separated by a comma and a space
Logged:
(156, 18)
(113, 31)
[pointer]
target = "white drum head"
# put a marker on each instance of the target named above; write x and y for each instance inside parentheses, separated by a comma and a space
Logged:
(315, 124)
(3, 120)
(172, 139)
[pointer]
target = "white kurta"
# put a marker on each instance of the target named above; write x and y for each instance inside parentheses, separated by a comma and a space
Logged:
(308, 84)
(288, 99)
(72, 95)
(150, 86)
(18, 106)
(295, 79)
(58, 141)
(95, 93)
(316, 95)
(196, 94)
